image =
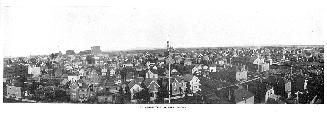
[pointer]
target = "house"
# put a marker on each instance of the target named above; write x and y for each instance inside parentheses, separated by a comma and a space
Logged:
(113, 65)
(151, 73)
(241, 75)
(135, 89)
(64, 81)
(213, 68)
(252, 63)
(153, 86)
(264, 67)
(178, 59)
(82, 72)
(35, 71)
(269, 60)
(135, 86)
(270, 91)
(176, 85)
(112, 71)
(72, 78)
(259, 62)
(13, 91)
(196, 68)
(288, 88)
(194, 82)
(243, 96)
(104, 71)
(183, 85)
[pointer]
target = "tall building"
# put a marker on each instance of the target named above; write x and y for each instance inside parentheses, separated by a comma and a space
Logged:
(95, 49)
(70, 52)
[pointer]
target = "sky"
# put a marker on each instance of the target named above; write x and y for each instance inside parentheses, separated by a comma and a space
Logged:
(38, 27)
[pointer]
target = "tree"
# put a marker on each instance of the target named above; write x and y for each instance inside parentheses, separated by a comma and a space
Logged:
(123, 73)
(90, 60)
(127, 94)
(33, 60)
(120, 97)
(52, 56)
(143, 95)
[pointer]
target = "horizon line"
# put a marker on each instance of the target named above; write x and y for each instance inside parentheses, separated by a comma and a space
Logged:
(158, 48)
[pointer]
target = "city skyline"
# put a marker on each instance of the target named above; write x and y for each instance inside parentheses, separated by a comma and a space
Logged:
(108, 51)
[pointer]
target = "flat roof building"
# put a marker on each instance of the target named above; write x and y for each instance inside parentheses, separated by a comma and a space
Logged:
(95, 49)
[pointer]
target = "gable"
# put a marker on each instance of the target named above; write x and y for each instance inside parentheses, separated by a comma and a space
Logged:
(153, 86)
(136, 86)
(153, 83)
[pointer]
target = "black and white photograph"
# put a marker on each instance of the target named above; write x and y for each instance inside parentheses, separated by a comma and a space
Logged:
(158, 54)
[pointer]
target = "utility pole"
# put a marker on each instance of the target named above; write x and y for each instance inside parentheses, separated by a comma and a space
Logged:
(291, 70)
(169, 62)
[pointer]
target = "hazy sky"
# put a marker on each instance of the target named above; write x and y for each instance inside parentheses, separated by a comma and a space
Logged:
(47, 27)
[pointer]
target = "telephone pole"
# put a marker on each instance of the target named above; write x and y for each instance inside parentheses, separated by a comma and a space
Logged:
(169, 62)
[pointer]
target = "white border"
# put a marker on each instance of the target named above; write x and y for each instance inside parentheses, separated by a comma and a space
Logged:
(173, 5)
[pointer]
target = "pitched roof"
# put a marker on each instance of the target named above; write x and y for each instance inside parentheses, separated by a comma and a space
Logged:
(131, 84)
(153, 82)
(147, 81)
(155, 71)
(251, 59)
(179, 79)
(188, 77)
(138, 81)
(153, 86)
(107, 82)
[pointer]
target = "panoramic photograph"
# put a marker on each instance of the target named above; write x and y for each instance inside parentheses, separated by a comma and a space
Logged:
(131, 54)
(228, 75)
